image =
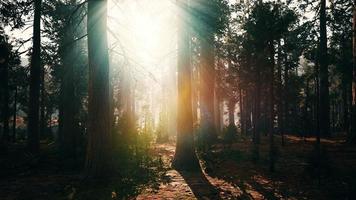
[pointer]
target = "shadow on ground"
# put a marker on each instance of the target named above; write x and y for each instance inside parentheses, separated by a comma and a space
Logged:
(200, 185)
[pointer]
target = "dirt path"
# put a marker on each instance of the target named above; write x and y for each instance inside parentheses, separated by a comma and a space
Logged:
(182, 185)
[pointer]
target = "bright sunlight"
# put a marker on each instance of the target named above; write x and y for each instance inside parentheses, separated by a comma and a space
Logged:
(142, 34)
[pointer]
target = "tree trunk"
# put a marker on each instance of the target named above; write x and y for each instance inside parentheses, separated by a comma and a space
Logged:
(286, 95)
(353, 122)
(280, 94)
(99, 147)
(4, 90)
(35, 83)
(257, 110)
(14, 116)
(5, 108)
(217, 111)
(231, 109)
(42, 106)
(195, 97)
(271, 111)
(256, 118)
(185, 157)
(207, 82)
(242, 109)
(69, 108)
(324, 110)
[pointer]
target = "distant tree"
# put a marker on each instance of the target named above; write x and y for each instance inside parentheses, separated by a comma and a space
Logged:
(68, 62)
(341, 58)
(210, 19)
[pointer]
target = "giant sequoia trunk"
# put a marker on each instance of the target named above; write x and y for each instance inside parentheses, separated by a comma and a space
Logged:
(324, 102)
(99, 147)
(185, 157)
(35, 82)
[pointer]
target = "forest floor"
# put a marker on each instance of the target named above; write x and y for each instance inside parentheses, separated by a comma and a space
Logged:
(228, 173)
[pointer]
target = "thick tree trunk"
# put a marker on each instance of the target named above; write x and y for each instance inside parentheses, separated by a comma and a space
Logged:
(185, 157)
(324, 110)
(99, 147)
(35, 83)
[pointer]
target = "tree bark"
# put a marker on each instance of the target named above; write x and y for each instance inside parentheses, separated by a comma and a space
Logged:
(271, 110)
(353, 118)
(14, 116)
(324, 111)
(242, 109)
(69, 108)
(4, 90)
(280, 94)
(185, 157)
(35, 83)
(217, 111)
(99, 147)
(42, 106)
(5, 108)
(231, 109)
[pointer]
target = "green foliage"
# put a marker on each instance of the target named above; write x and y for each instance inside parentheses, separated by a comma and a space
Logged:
(209, 16)
(135, 167)
(229, 134)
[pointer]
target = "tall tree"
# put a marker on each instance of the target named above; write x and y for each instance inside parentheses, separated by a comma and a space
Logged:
(210, 20)
(35, 81)
(4, 88)
(185, 157)
(353, 122)
(207, 76)
(324, 102)
(99, 147)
